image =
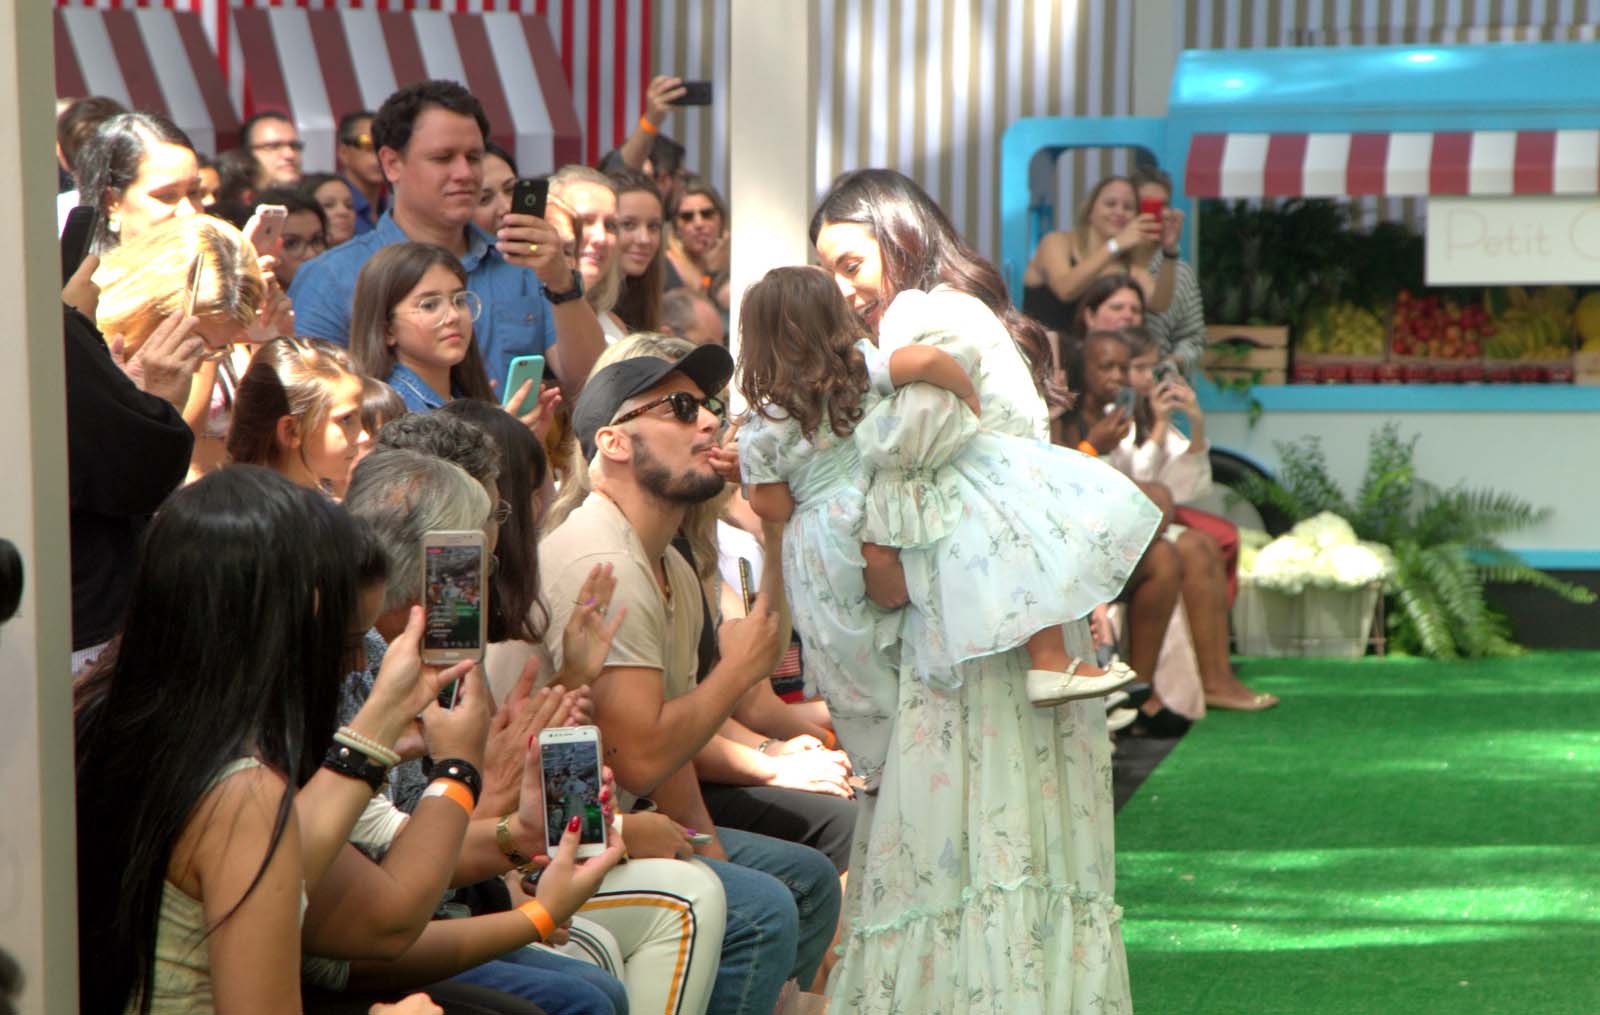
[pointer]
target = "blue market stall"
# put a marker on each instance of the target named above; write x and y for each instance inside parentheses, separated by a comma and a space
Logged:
(1489, 123)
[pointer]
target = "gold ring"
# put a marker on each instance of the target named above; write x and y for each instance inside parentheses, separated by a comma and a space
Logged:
(533, 248)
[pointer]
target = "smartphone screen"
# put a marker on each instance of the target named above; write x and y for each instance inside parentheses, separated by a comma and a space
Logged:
(695, 93)
(453, 597)
(1126, 398)
(529, 196)
(570, 759)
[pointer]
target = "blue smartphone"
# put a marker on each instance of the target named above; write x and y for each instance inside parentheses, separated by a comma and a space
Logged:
(521, 369)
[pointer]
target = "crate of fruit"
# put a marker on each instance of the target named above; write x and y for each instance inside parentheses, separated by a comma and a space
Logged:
(1530, 335)
(1337, 344)
(1438, 340)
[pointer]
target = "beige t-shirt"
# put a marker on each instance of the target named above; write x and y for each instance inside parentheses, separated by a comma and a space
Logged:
(659, 632)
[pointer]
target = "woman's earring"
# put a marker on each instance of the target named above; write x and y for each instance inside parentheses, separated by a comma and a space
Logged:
(113, 225)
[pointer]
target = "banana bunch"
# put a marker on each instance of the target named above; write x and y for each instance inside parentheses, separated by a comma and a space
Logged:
(1342, 329)
(1533, 327)
(1587, 320)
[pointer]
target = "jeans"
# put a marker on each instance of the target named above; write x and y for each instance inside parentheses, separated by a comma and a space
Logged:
(783, 906)
(556, 983)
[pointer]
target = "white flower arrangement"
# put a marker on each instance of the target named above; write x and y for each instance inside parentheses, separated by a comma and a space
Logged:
(1321, 551)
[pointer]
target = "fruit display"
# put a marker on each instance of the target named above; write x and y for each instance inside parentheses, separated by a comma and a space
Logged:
(1429, 327)
(1586, 318)
(1342, 330)
(1532, 327)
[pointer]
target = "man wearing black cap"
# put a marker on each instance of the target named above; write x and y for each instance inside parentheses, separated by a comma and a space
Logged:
(648, 426)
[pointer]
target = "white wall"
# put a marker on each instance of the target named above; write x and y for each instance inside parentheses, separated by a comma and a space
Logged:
(37, 854)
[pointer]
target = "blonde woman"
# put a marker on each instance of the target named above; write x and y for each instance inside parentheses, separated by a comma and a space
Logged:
(588, 200)
(193, 261)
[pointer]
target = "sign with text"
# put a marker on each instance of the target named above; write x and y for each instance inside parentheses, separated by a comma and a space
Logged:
(1513, 240)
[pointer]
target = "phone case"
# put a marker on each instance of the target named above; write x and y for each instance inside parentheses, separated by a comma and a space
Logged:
(454, 596)
(520, 370)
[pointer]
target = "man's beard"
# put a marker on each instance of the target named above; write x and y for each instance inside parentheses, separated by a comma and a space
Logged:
(654, 478)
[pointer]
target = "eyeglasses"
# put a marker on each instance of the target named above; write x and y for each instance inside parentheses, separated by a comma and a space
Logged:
(361, 141)
(502, 513)
(436, 309)
(706, 214)
(685, 408)
(265, 146)
(294, 244)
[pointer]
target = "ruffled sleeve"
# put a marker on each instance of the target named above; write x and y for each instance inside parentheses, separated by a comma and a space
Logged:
(760, 451)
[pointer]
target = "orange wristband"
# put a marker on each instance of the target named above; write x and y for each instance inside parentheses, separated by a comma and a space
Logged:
(1089, 449)
(830, 740)
(540, 917)
(452, 790)
(645, 124)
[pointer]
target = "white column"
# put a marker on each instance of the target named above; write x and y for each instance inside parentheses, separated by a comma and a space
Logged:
(38, 886)
(1156, 44)
(770, 90)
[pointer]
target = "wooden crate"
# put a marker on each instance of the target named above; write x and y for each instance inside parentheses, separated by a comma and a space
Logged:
(1238, 352)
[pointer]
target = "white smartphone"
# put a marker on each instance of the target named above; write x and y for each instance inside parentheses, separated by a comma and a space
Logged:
(265, 227)
(455, 597)
(570, 758)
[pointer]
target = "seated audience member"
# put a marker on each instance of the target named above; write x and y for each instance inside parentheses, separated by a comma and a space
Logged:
(1096, 372)
(190, 752)
(74, 127)
(430, 139)
(128, 447)
(663, 918)
(412, 326)
(1108, 236)
(640, 252)
(149, 278)
(494, 198)
(297, 410)
(1180, 330)
(305, 231)
(643, 425)
(337, 200)
(357, 156)
(139, 170)
(697, 251)
(273, 141)
(690, 314)
(647, 150)
(589, 200)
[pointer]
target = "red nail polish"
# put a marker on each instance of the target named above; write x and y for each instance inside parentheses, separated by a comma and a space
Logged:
(605, 794)
(530, 741)
(572, 826)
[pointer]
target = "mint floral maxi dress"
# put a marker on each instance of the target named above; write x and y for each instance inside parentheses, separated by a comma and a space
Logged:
(983, 870)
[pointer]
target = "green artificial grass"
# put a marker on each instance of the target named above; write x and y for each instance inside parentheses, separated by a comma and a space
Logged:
(1398, 836)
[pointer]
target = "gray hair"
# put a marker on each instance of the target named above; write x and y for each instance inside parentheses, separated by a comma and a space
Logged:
(402, 495)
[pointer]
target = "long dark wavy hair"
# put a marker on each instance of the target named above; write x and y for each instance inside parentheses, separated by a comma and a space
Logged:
(639, 305)
(515, 602)
(799, 351)
(232, 646)
(921, 250)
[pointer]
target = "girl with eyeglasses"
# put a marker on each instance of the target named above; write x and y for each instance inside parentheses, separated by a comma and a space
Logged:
(411, 325)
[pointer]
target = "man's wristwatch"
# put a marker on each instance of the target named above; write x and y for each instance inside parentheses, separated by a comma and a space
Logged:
(576, 292)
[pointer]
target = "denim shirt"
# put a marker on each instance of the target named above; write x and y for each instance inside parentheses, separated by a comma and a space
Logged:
(417, 393)
(365, 210)
(516, 319)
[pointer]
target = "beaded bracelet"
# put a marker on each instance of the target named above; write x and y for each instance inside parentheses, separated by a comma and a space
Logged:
(366, 745)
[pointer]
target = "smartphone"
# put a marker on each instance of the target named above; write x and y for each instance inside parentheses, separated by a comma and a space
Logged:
(265, 227)
(1125, 399)
(1164, 371)
(695, 93)
(747, 584)
(76, 237)
(700, 838)
(1152, 206)
(529, 196)
(454, 599)
(195, 268)
(570, 759)
(522, 369)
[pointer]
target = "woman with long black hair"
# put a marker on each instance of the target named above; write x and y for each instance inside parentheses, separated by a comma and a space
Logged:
(203, 807)
(983, 869)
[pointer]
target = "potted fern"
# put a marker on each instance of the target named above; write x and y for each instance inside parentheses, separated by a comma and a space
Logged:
(1444, 541)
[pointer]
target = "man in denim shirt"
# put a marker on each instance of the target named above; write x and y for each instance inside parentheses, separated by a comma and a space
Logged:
(430, 142)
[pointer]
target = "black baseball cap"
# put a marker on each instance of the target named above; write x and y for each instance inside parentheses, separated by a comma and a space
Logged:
(708, 366)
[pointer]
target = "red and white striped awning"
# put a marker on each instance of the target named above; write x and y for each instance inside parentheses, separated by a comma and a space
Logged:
(151, 59)
(318, 65)
(1398, 164)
